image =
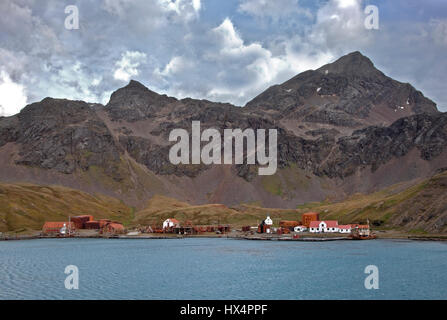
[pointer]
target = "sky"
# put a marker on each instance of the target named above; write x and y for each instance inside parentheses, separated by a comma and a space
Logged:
(227, 51)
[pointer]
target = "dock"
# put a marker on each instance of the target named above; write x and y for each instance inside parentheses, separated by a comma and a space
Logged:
(311, 239)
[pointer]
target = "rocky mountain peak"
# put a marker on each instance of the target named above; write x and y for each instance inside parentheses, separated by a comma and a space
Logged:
(135, 102)
(349, 92)
(136, 84)
(53, 108)
(133, 88)
(353, 63)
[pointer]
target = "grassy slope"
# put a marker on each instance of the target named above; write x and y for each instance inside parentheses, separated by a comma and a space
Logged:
(160, 208)
(135, 178)
(28, 206)
(421, 208)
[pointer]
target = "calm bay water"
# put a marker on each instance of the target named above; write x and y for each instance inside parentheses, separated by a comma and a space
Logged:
(222, 269)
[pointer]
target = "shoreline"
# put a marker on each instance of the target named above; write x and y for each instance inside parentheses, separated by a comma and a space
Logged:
(313, 238)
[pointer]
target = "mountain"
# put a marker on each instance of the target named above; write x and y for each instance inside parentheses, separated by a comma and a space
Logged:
(343, 128)
(339, 97)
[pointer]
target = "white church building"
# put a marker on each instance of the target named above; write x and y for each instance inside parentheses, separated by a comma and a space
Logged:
(324, 226)
(171, 223)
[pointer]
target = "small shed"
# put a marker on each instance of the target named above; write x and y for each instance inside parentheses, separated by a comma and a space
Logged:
(114, 227)
(184, 230)
(300, 229)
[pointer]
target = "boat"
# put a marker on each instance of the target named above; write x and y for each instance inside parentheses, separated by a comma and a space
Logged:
(66, 231)
(362, 232)
(363, 237)
(63, 230)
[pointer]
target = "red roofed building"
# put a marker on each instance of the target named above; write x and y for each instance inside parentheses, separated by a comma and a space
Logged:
(324, 226)
(344, 228)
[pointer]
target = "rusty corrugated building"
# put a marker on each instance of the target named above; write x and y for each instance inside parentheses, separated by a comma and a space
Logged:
(91, 225)
(288, 224)
(308, 217)
(79, 221)
(114, 227)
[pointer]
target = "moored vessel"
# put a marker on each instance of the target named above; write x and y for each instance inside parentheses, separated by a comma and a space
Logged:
(362, 232)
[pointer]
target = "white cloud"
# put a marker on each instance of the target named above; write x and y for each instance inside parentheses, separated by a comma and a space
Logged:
(176, 65)
(116, 7)
(35, 35)
(340, 27)
(14, 63)
(439, 32)
(196, 5)
(181, 7)
(154, 13)
(306, 58)
(347, 3)
(258, 61)
(273, 9)
(228, 69)
(74, 81)
(12, 95)
(128, 65)
(227, 34)
(192, 54)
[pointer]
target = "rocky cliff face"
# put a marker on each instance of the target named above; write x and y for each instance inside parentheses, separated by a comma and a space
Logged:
(61, 135)
(339, 123)
(375, 146)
